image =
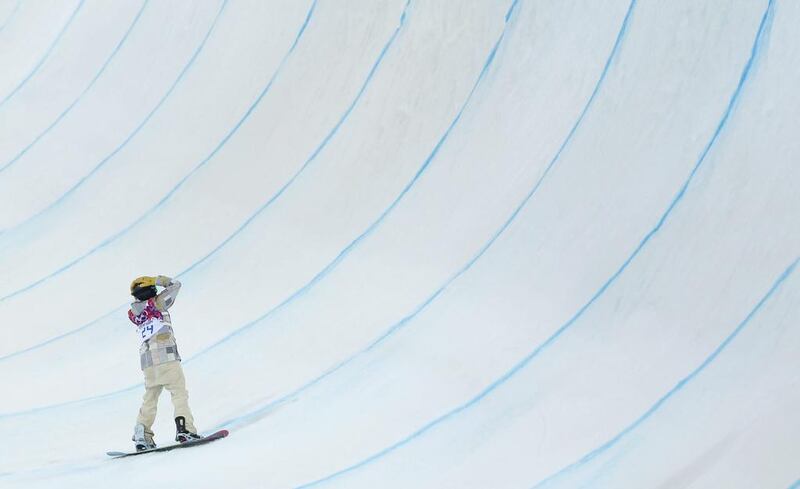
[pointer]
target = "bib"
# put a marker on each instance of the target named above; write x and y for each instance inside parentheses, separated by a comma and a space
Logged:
(148, 329)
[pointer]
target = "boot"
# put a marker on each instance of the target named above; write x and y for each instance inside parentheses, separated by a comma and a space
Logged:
(182, 435)
(142, 440)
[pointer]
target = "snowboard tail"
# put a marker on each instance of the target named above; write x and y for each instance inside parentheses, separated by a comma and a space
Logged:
(208, 439)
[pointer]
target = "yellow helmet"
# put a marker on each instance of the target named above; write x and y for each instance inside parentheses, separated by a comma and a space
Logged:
(142, 283)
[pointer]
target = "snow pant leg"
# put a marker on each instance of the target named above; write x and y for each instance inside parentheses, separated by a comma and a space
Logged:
(152, 389)
(175, 382)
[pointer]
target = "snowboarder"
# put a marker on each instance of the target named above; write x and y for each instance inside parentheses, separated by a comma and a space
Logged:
(159, 358)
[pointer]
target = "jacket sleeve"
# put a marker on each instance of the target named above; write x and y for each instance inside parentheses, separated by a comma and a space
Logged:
(166, 298)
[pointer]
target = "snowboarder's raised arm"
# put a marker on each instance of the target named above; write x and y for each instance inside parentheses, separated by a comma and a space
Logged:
(166, 298)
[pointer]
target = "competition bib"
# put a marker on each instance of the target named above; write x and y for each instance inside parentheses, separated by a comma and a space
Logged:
(148, 329)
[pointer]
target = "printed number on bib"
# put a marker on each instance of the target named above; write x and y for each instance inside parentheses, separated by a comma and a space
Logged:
(149, 328)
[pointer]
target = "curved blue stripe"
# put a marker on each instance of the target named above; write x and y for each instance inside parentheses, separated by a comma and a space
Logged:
(200, 165)
(314, 154)
(796, 485)
(297, 174)
(11, 15)
(127, 139)
(118, 311)
(678, 387)
(376, 223)
(46, 54)
(525, 361)
(80, 96)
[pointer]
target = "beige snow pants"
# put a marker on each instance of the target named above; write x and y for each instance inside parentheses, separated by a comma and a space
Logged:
(170, 376)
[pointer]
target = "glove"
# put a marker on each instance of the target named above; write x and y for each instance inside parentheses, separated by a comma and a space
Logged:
(163, 281)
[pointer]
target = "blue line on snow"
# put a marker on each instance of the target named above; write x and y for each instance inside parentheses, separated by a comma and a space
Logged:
(74, 102)
(678, 387)
(54, 339)
(202, 163)
(525, 361)
(127, 139)
(46, 55)
(328, 268)
(254, 414)
(796, 485)
(316, 151)
(373, 226)
(11, 15)
(99, 165)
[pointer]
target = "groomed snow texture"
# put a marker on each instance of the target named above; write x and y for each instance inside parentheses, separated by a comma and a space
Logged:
(423, 244)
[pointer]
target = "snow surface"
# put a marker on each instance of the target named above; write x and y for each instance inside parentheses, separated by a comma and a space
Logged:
(428, 244)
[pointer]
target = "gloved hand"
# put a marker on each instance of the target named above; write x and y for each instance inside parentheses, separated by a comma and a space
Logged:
(163, 281)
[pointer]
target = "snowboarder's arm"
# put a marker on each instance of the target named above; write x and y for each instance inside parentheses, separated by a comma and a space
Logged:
(166, 298)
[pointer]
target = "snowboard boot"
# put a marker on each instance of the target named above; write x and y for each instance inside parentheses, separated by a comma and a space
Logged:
(182, 435)
(142, 440)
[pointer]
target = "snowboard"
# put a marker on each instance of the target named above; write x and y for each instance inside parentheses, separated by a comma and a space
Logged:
(208, 439)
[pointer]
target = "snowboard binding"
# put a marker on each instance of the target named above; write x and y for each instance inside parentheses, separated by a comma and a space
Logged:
(182, 435)
(141, 440)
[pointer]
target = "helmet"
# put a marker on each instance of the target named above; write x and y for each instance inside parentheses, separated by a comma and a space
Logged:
(144, 288)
